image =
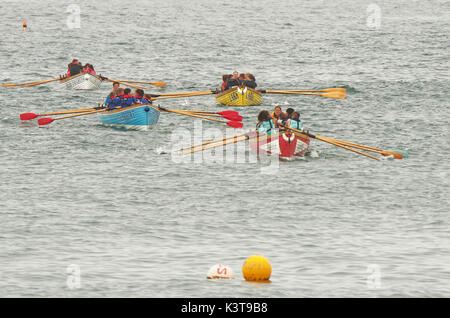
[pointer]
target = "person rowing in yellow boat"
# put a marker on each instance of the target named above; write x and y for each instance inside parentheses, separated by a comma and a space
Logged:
(250, 81)
(237, 79)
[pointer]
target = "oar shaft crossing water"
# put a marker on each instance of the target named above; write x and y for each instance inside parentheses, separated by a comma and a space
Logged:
(349, 145)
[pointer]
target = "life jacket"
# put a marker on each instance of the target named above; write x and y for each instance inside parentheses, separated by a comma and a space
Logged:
(89, 70)
(266, 126)
(232, 82)
(147, 100)
(74, 70)
(116, 101)
(250, 84)
(295, 124)
(142, 100)
(127, 100)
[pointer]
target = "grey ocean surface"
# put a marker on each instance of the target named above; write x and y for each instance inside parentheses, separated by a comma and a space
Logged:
(137, 222)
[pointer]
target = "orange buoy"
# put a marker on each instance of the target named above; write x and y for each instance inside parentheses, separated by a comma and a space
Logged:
(257, 268)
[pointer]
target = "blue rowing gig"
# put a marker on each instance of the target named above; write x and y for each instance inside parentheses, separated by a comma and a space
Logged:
(138, 117)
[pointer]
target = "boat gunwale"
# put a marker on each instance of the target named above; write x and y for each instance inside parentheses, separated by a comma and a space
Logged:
(119, 110)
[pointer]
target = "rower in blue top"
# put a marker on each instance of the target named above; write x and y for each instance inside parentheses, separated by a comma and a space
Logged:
(123, 98)
(116, 86)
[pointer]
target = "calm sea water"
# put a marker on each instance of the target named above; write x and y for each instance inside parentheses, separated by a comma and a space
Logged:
(118, 209)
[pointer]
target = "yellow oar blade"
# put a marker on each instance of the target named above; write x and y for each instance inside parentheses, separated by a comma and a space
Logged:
(337, 95)
(159, 84)
(329, 94)
(337, 90)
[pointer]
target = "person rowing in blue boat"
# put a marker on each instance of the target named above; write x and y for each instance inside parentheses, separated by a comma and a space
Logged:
(265, 122)
(127, 98)
(109, 98)
(116, 101)
(141, 98)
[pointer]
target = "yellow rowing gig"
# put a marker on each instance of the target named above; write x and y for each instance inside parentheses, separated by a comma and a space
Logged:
(239, 96)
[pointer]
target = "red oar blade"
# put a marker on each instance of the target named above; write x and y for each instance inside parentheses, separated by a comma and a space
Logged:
(45, 121)
(233, 117)
(235, 124)
(28, 116)
(228, 112)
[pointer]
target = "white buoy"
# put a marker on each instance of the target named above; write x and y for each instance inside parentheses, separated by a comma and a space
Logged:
(220, 271)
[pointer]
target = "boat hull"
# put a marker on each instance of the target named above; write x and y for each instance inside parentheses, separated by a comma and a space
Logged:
(138, 117)
(82, 81)
(284, 145)
(239, 96)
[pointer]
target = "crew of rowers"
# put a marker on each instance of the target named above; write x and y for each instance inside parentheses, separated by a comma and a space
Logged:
(236, 79)
(75, 68)
(122, 98)
(278, 119)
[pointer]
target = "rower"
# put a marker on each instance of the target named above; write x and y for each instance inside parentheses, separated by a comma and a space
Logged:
(278, 115)
(74, 68)
(250, 81)
(88, 68)
(294, 122)
(116, 102)
(148, 98)
(265, 122)
(289, 112)
(225, 79)
(127, 99)
(233, 81)
(111, 95)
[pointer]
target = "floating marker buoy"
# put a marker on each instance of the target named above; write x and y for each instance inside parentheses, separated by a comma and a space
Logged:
(257, 268)
(220, 271)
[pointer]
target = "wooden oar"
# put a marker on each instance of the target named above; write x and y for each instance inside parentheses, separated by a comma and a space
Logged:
(386, 153)
(123, 83)
(229, 112)
(234, 116)
(342, 144)
(48, 120)
(225, 142)
(30, 116)
(159, 84)
(182, 95)
(212, 141)
(326, 94)
(189, 93)
(339, 90)
(233, 124)
(30, 84)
